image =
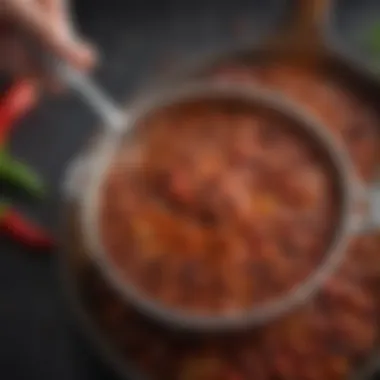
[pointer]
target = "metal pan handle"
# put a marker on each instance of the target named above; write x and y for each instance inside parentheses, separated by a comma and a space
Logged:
(111, 114)
(306, 22)
(309, 14)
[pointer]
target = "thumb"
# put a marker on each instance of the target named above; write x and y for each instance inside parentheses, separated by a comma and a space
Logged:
(52, 35)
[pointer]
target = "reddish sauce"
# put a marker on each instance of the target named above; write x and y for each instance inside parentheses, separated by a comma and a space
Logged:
(215, 207)
(328, 338)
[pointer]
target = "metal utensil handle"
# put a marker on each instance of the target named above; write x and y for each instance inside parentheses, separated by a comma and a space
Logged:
(91, 94)
(111, 115)
(305, 23)
(309, 14)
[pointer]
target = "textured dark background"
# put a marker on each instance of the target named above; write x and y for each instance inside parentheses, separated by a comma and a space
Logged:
(138, 40)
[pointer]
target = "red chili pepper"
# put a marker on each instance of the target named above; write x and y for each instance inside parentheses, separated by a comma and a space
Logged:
(23, 230)
(18, 100)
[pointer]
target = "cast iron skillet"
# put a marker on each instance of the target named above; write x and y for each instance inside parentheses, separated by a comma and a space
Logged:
(359, 77)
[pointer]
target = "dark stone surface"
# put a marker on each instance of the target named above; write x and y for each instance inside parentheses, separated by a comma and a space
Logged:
(137, 39)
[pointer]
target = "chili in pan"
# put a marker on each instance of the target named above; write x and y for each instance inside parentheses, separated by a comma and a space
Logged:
(214, 208)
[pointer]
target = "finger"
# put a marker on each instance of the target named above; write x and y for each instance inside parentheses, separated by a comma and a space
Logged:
(58, 11)
(60, 15)
(17, 63)
(54, 7)
(55, 38)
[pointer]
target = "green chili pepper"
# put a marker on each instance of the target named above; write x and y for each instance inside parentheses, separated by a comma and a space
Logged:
(20, 175)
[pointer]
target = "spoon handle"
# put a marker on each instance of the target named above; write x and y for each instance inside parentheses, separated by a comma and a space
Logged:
(92, 95)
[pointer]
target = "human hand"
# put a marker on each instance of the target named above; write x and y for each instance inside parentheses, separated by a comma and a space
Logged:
(46, 24)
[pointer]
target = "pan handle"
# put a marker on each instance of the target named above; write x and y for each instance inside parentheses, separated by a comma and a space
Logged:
(111, 115)
(307, 19)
